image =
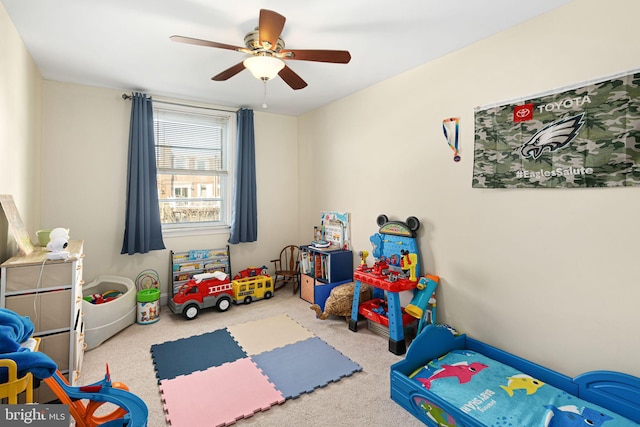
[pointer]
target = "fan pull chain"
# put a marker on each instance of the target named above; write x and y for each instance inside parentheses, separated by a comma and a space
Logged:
(264, 99)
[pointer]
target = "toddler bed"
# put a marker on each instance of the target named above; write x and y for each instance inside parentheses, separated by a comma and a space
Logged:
(448, 380)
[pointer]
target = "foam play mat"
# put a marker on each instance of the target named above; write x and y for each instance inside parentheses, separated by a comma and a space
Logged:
(219, 377)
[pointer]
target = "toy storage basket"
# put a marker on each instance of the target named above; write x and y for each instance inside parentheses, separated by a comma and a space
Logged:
(148, 306)
(102, 321)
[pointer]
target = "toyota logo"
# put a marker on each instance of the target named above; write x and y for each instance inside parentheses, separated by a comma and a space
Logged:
(523, 112)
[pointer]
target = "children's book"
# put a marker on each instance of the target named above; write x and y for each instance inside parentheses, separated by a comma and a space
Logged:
(336, 229)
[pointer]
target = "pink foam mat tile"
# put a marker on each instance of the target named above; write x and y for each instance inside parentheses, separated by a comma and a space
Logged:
(218, 396)
(258, 336)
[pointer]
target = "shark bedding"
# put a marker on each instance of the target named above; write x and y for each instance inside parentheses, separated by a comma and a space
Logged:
(448, 380)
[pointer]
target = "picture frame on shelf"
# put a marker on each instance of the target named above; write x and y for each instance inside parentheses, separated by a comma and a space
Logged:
(16, 225)
(336, 228)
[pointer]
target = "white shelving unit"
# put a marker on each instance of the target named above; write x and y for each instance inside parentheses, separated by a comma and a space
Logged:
(50, 293)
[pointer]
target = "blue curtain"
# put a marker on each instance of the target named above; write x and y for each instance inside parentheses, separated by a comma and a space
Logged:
(143, 231)
(244, 215)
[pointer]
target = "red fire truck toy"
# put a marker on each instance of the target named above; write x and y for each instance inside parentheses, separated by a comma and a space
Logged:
(203, 291)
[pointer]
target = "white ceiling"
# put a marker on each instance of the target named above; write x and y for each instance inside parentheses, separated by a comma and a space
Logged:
(124, 44)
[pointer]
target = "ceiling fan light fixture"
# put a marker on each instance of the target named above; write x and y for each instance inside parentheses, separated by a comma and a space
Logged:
(266, 54)
(264, 67)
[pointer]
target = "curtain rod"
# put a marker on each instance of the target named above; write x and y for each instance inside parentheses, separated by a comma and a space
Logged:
(126, 96)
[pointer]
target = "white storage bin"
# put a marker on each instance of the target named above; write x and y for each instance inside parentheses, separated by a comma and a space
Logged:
(102, 321)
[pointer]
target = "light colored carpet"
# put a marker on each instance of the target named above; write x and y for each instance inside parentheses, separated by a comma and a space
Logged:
(361, 399)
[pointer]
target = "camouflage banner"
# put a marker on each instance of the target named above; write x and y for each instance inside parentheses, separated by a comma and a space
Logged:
(583, 137)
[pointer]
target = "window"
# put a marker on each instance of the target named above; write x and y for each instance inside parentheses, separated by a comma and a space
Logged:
(194, 158)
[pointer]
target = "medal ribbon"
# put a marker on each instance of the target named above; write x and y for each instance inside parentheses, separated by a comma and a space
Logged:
(454, 145)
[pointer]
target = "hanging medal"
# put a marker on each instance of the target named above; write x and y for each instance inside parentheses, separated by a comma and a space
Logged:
(452, 135)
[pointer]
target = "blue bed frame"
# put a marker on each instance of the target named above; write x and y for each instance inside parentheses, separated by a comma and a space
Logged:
(615, 391)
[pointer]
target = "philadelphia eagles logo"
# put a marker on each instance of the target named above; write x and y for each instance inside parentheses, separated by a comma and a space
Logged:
(553, 137)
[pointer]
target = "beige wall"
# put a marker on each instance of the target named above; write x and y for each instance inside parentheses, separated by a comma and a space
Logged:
(20, 131)
(547, 274)
(85, 143)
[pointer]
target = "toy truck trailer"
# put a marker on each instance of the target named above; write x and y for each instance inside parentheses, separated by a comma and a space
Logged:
(203, 291)
(251, 272)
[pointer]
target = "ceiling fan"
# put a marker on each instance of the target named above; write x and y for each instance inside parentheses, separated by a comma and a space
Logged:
(267, 52)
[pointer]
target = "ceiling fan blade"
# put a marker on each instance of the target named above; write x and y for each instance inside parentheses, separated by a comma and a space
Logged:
(292, 79)
(190, 40)
(334, 56)
(229, 72)
(270, 27)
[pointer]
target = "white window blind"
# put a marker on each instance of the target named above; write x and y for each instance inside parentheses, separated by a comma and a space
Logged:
(193, 155)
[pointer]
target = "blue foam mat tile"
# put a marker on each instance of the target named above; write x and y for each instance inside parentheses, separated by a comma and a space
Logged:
(303, 366)
(174, 358)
